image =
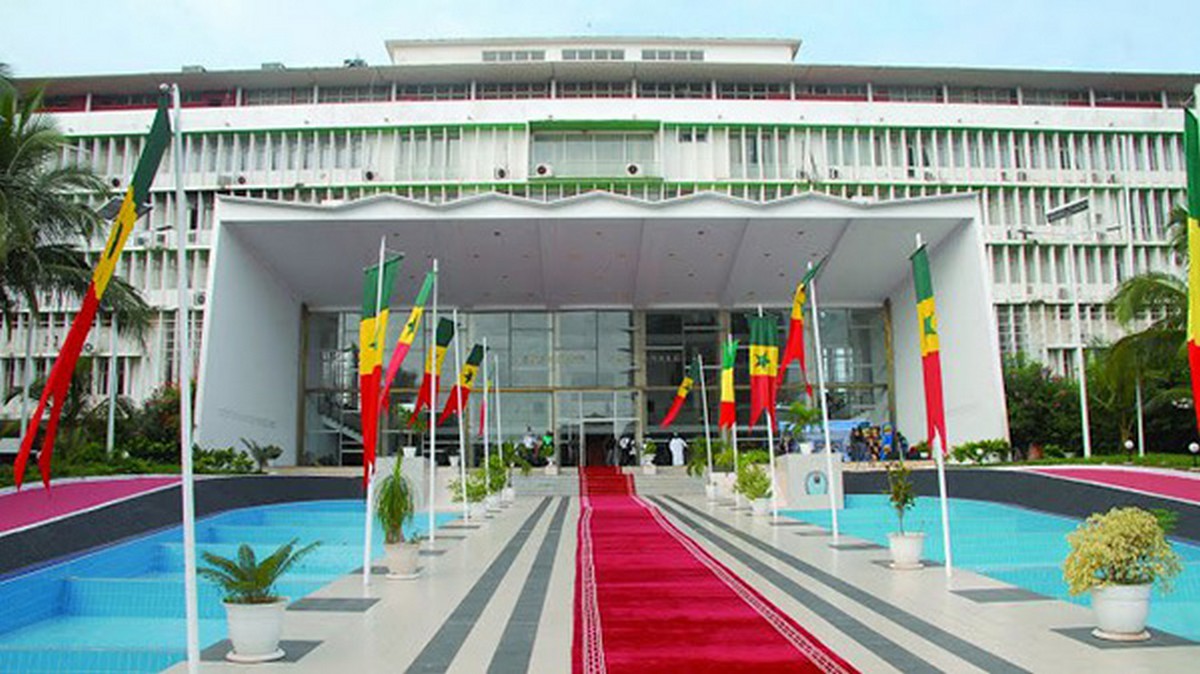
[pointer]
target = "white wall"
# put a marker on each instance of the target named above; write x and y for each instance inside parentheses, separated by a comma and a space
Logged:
(972, 382)
(249, 372)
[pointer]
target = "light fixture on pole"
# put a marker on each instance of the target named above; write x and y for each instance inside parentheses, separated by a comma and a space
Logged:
(1194, 448)
(1053, 215)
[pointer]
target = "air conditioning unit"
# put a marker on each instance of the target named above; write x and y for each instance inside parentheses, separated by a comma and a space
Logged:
(633, 169)
(369, 175)
(543, 171)
(199, 297)
(160, 239)
(88, 347)
(114, 181)
(1022, 176)
(500, 173)
(241, 179)
(1004, 176)
(141, 239)
(834, 173)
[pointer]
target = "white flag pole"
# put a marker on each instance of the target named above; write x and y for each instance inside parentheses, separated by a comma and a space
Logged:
(371, 398)
(433, 390)
(771, 447)
(941, 472)
(483, 419)
(499, 427)
(462, 441)
(737, 495)
(712, 485)
(110, 438)
(191, 603)
(820, 357)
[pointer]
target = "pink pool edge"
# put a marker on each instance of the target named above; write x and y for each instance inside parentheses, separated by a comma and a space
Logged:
(1167, 484)
(35, 505)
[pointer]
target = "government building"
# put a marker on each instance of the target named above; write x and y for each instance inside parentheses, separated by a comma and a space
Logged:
(603, 210)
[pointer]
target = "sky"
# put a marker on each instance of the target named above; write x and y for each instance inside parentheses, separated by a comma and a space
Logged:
(82, 37)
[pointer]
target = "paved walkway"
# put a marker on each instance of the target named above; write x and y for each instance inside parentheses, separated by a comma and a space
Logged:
(36, 505)
(498, 597)
(1171, 484)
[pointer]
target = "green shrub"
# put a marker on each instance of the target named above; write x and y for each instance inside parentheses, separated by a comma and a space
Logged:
(753, 481)
(753, 456)
(262, 454)
(476, 488)
(224, 460)
(1124, 546)
(900, 491)
(497, 473)
(980, 451)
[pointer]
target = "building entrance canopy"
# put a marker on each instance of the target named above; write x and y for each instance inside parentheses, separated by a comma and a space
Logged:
(599, 250)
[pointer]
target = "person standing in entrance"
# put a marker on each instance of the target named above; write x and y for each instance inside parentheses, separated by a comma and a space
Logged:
(677, 445)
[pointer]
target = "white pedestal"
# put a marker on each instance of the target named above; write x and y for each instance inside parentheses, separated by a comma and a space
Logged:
(805, 484)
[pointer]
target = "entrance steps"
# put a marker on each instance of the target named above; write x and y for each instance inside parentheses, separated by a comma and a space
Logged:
(673, 481)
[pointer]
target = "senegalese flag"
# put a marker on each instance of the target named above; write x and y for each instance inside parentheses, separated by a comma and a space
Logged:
(466, 381)
(685, 387)
(411, 327)
(794, 349)
(931, 362)
(1191, 148)
(433, 366)
(372, 330)
(764, 366)
(59, 380)
(728, 416)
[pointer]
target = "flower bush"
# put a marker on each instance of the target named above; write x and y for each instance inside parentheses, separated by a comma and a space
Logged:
(1124, 546)
(753, 481)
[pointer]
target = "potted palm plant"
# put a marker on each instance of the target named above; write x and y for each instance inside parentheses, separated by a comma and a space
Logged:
(497, 479)
(414, 425)
(473, 491)
(253, 609)
(1119, 556)
(649, 449)
(905, 547)
(801, 416)
(394, 507)
(512, 460)
(754, 483)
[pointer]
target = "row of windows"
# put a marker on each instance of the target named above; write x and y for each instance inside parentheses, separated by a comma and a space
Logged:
(782, 90)
(510, 55)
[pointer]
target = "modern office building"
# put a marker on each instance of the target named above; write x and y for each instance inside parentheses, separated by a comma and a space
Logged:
(603, 209)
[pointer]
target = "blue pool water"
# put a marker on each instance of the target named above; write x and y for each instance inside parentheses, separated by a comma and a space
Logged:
(1011, 544)
(120, 609)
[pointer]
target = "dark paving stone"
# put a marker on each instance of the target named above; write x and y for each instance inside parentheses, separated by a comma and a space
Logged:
(855, 546)
(812, 533)
(293, 650)
(431, 553)
(790, 523)
(887, 564)
(458, 526)
(1158, 639)
(999, 595)
(338, 604)
(451, 537)
(376, 570)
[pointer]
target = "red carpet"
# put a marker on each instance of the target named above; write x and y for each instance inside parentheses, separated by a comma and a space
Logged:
(35, 505)
(649, 599)
(1170, 484)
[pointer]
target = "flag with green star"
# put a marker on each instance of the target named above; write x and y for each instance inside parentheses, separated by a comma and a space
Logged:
(931, 361)
(466, 382)
(764, 366)
(407, 335)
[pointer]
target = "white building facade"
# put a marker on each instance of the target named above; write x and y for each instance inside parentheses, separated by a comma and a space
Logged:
(664, 130)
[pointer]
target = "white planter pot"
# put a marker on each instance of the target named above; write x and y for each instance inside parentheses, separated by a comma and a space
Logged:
(551, 470)
(761, 507)
(477, 510)
(710, 491)
(649, 469)
(402, 560)
(492, 502)
(508, 495)
(906, 550)
(454, 460)
(806, 448)
(409, 452)
(1121, 612)
(255, 630)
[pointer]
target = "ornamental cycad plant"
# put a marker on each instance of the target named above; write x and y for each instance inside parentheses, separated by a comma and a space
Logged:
(900, 491)
(248, 581)
(394, 506)
(1124, 546)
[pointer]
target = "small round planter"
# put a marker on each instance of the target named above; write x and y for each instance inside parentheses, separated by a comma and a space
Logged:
(477, 510)
(906, 550)
(402, 560)
(508, 495)
(1121, 612)
(454, 460)
(761, 507)
(649, 469)
(255, 630)
(710, 491)
(492, 502)
(410, 452)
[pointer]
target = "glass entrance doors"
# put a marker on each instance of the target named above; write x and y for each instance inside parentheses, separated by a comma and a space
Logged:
(591, 424)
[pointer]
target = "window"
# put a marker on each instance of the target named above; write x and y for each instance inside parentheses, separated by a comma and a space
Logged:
(593, 154)
(982, 95)
(593, 54)
(672, 55)
(428, 154)
(510, 55)
(1055, 97)
(832, 92)
(277, 96)
(754, 91)
(909, 94)
(1131, 99)
(353, 94)
(433, 92)
(759, 153)
(693, 135)
(498, 91)
(594, 89)
(675, 89)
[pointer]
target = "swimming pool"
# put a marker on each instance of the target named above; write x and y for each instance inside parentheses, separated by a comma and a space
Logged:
(1021, 547)
(120, 608)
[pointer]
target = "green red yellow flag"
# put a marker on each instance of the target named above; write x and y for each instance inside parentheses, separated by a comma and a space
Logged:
(685, 387)
(794, 348)
(433, 366)
(372, 330)
(466, 382)
(728, 412)
(59, 380)
(931, 362)
(407, 335)
(1191, 150)
(764, 366)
